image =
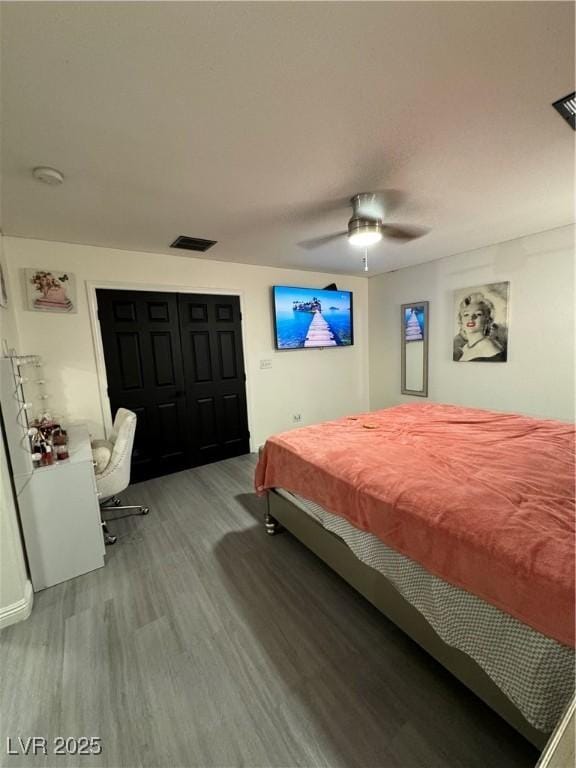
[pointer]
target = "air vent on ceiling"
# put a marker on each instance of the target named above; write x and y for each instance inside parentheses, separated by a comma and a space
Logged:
(567, 108)
(192, 243)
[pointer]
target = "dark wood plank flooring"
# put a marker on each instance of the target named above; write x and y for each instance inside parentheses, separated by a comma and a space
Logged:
(203, 642)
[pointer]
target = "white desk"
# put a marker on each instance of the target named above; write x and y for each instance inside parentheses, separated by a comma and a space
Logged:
(61, 516)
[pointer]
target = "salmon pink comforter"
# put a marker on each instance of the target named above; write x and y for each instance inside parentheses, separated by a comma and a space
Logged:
(484, 500)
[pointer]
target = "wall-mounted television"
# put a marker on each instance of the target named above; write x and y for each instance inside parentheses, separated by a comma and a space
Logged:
(305, 318)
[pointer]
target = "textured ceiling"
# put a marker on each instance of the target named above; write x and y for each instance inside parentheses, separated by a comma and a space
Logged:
(244, 122)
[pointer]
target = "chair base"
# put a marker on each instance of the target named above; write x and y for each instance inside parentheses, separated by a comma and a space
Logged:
(108, 537)
(114, 503)
(139, 510)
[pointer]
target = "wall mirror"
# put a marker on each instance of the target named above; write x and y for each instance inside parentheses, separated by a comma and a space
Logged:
(414, 346)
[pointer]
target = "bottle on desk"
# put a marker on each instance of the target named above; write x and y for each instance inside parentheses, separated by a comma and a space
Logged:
(47, 455)
(61, 451)
(36, 456)
(60, 442)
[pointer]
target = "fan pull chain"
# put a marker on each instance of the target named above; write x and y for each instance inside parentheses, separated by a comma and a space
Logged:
(365, 259)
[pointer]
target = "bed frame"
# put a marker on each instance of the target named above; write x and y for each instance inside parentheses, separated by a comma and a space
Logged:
(377, 589)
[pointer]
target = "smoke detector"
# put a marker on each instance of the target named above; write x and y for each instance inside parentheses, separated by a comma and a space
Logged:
(48, 175)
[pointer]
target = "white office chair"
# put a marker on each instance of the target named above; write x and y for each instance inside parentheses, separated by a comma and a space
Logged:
(114, 477)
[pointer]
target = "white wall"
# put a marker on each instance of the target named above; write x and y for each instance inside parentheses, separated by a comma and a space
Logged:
(319, 384)
(15, 589)
(538, 378)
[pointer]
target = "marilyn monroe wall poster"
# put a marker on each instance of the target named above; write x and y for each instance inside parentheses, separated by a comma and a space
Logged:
(481, 324)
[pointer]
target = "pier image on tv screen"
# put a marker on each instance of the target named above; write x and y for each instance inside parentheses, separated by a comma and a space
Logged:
(308, 317)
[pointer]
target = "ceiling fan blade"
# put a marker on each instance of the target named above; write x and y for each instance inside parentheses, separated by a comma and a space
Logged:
(318, 242)
(403, 233)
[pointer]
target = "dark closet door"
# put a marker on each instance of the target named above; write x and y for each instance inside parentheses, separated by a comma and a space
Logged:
(142, 350)
(211, 333)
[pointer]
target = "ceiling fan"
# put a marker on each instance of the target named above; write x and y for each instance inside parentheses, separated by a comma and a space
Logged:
(366, 226)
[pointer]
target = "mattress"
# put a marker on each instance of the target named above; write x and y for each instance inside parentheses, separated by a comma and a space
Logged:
(534, 671)
(453, 489)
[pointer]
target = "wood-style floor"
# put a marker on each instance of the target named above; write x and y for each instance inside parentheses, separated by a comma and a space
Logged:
(204, 642)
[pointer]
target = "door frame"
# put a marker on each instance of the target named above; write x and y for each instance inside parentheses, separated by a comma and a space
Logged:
(91, 288)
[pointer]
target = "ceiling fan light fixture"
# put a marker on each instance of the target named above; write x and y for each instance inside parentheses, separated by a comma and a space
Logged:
(367, 226)
(363, 232)
(363, 239)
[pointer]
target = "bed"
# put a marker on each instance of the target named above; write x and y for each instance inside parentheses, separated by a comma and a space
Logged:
(458, 524)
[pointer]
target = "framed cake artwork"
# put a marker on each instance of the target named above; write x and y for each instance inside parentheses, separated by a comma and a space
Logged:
(50, 290)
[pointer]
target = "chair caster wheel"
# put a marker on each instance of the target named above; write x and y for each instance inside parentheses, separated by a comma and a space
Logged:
(117, 501)
(144, 510)
(108, 539)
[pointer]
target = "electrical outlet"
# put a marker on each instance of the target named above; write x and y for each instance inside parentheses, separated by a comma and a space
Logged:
(296, 418)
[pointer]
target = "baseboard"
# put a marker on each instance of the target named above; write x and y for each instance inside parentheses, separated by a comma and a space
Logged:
(18, 611)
